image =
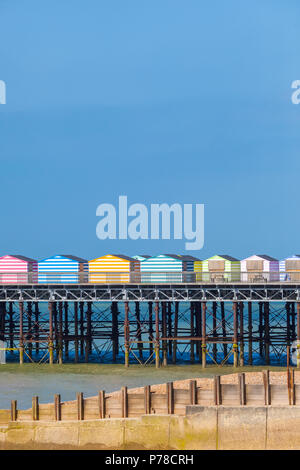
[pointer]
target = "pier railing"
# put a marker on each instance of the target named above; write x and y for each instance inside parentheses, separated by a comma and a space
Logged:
(173, 400)
(162, 277)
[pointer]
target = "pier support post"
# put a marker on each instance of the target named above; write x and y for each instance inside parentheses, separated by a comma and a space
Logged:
(36, 327)
(170, 328)
(164, 333)
(267, 334)
(126, 334)
(88, 343)
(235, 336)
(89, 326)
(60, 329)
(203, 334)
(293, 321)
(50, 345)
(2, 319)
(11, 327)
(81, 310)
(192, 330)
(76, 331)
(114, 332)
(66, 329)
(174, 352)
(241, 333)
(260, 328)
(156, 308)
(198, 329)
(223, 320)
(250, 348)
(298, 335)
(21, 340)
(215, 334)
(139, 330)
(288, 322)
(55, 327)
(29, 331)
(150, 328)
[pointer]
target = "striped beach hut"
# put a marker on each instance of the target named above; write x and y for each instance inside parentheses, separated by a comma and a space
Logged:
(259, 268)
(220, 268)
(198, 270)
(17, 269)
(191, 264)
(168, 268)
(290, 268)
(114, 269)
(63, 269)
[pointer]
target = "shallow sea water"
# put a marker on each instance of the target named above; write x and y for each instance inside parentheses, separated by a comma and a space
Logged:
(22, 382)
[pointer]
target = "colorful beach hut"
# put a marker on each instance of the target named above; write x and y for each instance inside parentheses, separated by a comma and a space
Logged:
(191, 264)
(290, 268)
(220, 268)
(197, 267)
(168, 268)
(63, 269)
(17, 269)
(114, 269)
(259, 268)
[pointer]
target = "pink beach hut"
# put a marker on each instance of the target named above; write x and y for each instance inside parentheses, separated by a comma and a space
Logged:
(17, 269)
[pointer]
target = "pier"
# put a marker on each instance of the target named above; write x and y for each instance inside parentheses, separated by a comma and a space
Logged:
(150, 323)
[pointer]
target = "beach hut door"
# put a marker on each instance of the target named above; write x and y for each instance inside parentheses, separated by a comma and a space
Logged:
(293, 268)
(216, 268)
(254, 268)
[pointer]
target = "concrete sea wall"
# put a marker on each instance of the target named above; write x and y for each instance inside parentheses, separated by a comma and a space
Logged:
(212, 427)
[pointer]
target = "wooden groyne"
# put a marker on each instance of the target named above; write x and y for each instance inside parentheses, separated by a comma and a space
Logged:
(244, 389)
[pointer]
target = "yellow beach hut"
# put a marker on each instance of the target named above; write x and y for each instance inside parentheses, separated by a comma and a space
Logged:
(113, 269)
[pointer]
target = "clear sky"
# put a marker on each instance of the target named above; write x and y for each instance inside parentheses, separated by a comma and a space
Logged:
(162, 101)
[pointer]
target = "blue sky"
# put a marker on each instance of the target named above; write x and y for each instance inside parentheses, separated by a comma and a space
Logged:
(163, 101)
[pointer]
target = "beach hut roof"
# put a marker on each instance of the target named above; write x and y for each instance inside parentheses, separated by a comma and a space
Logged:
(228, 258)
(190, 258)
(75, 258)
(24, 258)
(174, 256)
(183, 257)
(128, 258)
(267, 258)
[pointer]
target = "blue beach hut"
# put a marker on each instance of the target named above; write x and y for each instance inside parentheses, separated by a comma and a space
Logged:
(168, 268)
(63, 269)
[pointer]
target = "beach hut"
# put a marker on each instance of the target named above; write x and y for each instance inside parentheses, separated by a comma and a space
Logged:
(198, 270)
(191, 264)
(114, 269)
(259, 268)
(168, 268)
(290, 268)
(63, 269)
(17, 269)
(220, 268)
